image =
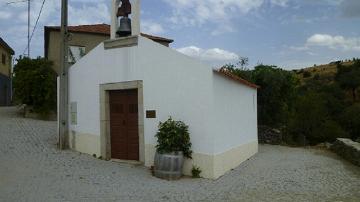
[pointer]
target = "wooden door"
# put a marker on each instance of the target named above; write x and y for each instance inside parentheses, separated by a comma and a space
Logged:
(124, 130)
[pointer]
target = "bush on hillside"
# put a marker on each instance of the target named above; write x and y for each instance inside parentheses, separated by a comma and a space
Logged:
(317, 109)
(349, 77)
(351, 120)
(311, 120)
(306, 74)
(309, 113)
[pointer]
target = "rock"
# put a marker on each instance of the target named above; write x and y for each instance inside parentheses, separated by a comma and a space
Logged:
(328, 145)
(269, 135)
(321, 145)
(357, 140)
(347, 149)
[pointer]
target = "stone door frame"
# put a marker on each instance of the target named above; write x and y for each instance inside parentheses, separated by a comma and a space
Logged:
(105, 140)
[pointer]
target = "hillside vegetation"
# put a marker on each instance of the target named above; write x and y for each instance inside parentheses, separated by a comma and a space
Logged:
(310, 105)
(325, 72)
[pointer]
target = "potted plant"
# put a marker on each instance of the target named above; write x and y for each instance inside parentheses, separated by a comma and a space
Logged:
(173, 144)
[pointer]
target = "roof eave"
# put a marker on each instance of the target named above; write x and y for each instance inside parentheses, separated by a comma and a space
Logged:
(235, 78)
(6, 46)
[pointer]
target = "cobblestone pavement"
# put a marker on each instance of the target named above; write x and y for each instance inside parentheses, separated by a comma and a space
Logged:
(32, 169)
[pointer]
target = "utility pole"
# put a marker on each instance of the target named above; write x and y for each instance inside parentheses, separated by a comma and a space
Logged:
(63, 121)
(28, 29)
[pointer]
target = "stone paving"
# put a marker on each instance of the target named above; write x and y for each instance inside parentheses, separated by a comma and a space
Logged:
(33, 169)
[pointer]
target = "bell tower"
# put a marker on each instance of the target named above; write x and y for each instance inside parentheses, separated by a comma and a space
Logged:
(125, 18)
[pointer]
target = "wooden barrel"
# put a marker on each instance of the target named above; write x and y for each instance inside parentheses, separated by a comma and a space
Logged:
(168, 165)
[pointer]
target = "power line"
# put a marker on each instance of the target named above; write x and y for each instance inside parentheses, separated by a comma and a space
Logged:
(14, 2)
(36, 23)
(28, 34)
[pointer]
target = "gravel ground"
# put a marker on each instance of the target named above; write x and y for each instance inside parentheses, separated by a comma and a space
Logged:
(32, 169)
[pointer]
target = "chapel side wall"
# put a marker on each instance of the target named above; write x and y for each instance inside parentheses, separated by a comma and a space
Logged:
(181, 87)
(236, 134)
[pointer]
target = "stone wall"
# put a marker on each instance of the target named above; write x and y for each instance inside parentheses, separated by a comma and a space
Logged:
(269, 135)
(348, 149)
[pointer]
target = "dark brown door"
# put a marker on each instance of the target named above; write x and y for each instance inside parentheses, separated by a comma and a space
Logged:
(124, 130)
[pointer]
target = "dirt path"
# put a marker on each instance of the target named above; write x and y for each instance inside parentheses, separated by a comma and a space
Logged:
(32, 169)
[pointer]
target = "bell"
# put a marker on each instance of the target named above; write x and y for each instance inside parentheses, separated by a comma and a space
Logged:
(125, 27)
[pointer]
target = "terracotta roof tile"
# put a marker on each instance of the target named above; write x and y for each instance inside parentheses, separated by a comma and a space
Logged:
(224, 72)
(103, 29)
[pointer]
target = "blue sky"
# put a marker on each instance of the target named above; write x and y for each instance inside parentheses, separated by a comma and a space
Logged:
(287, 33)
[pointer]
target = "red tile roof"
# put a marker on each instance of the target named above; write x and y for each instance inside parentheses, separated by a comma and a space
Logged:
(102, 29)
(224, 72)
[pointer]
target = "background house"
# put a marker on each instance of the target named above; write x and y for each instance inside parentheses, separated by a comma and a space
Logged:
(6, 53)
(83, 39)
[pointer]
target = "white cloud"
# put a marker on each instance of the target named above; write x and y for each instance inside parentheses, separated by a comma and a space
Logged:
(213, 54)
(198, 12)
(299, 48)
(151, 27)
(89, 14)
(4, 15)
(328, 41)
(224, 28)
(282, 3)
(217, 12)
(334, 42)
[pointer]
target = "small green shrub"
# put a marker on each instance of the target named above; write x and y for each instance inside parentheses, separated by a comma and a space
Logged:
(351, 120)
(331, 130)
(195, 171)
(306, 74)
(173, 136)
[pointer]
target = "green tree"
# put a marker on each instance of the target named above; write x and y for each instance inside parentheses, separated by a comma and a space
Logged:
(349, 77)
(276, 94)
(333, 97)
(330, 130)
(351, 120)
(311, 120)
(239, 69)
(309, 113)
(35, 84)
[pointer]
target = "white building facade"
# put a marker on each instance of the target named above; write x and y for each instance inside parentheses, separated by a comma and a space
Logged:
(221, 110)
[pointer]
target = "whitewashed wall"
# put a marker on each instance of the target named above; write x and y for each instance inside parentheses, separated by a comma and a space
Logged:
(217, 110)
(84, 79)
(235, 113)
(174, 85)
